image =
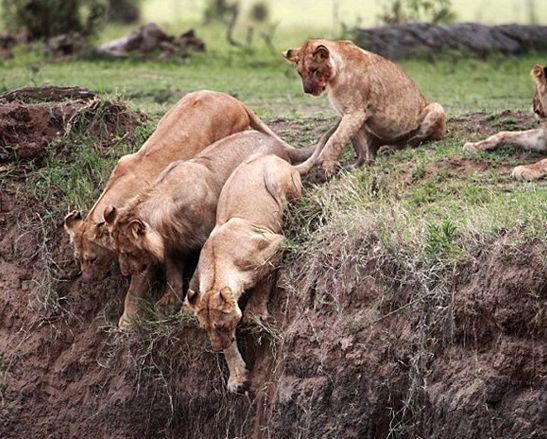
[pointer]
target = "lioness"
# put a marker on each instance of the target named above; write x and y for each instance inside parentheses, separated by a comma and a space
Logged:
(196, 121)
(241, 253)
(173, 218)
(378, 102)
(531, 139)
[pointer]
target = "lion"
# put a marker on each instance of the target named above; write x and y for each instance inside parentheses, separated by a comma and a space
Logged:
(241, 253)
(379, 103)
(170, 220)
(535, 140)
(196, 121)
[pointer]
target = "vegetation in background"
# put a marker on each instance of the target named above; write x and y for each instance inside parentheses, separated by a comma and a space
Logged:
(48, 18)
(405, 11)
(43, 19)
(123, 11)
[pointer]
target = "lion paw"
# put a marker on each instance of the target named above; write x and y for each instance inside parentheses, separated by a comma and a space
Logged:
(255, 315)
(238, 382)
(325, 172)
(469, 146)
(525, 173)
(169, 304)
(125, 321)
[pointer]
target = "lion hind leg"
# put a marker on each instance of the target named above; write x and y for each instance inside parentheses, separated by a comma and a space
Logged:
(365, 147)
(531, 172)
(237, 368)
(433, 125)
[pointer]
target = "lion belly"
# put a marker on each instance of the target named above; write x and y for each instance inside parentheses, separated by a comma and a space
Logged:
(390, 129)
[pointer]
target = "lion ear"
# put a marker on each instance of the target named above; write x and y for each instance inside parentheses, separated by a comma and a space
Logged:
(227, 296)
(538, 72)
(109, 214)
(192, 300)
(100, 230)
(137, 228)
(321, 53)
(291, 56)
(72, 222)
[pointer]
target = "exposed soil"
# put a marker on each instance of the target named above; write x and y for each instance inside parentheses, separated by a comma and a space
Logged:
(347, 357)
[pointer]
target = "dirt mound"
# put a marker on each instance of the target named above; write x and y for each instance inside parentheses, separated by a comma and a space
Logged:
(34, 119)
(354, 351)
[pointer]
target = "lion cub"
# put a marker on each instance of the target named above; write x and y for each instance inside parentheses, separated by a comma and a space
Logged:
(531, 139)
(378, 102)
(171, 219)
(241, 253)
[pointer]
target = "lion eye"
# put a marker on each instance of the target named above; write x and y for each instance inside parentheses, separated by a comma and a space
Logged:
(220, 329)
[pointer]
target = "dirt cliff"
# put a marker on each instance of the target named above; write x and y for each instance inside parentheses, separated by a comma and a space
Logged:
(360, 347)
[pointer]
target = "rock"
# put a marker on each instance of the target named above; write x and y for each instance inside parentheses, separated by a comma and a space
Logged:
(408, 40)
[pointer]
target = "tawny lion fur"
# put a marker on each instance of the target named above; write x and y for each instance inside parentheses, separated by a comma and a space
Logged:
(173, 217)
(535, 140)
(379, 103)
(196, 121)
(241, 253)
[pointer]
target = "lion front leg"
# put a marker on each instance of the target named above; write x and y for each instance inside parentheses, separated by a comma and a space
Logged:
(257, 305)
(531, 172)
(237, 367)
(139, 286)
(348, 127)
(171, 300)
(528, 140)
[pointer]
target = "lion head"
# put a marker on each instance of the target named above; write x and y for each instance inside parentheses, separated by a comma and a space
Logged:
(218, 313)
(313, 64)
(91, 242)
(138, 246)
(539, 100)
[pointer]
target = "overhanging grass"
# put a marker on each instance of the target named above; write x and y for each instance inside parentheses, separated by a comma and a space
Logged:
(411, 203)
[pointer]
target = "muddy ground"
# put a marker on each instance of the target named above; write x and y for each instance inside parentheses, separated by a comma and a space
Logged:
(345, 358)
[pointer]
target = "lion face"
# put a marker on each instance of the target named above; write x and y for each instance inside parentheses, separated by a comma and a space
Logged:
(130, 241)
(218, 313)
(539, 100)
(89, 247)
(94, 260)
(314, 66)
(138, 246)
(132, 259)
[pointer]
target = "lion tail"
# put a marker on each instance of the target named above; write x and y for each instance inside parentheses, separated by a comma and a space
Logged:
(296, 155)
(306, 166)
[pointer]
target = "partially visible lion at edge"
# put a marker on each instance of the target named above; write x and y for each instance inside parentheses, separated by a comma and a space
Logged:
(533, 140)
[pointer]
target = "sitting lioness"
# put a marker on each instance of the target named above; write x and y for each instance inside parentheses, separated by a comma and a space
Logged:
(531, 139)
(196, 121)
(241, 253)
(379, 103)
(172, 218)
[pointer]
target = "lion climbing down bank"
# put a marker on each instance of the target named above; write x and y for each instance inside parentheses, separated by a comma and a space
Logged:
(241, 254)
